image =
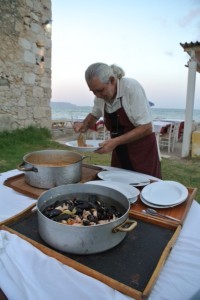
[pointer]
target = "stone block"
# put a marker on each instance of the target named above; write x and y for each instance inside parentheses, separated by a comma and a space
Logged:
(38, 92)
(29, 57)
(6, 122)
(35, 27)
(29, 78)
(25, 43)
(34, 17)
(24, 84)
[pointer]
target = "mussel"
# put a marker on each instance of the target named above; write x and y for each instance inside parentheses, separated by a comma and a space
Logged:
(81, 212)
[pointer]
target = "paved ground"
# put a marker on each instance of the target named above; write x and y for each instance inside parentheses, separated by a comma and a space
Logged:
(175, 154)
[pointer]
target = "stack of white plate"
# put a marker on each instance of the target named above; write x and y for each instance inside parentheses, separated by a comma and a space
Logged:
(164, 194)
(130, 192)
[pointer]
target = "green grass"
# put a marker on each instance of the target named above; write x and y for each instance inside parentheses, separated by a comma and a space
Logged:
(185, 171)
(14, 145)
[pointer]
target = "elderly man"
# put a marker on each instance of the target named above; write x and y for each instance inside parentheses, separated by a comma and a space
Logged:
(123, 104)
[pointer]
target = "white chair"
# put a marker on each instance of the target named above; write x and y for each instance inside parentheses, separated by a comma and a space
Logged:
(169, 138)
(102, 133)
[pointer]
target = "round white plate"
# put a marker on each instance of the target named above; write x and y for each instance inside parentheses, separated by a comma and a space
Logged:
(92, 145)
(126, 177)
(165, 193)
(149, 204)
(130, 192)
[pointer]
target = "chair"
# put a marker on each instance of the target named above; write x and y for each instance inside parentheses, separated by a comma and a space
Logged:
(169, 138)
(103, 134)
(100, 131)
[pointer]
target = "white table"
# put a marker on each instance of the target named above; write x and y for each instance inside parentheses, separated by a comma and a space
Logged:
(172, 120)
(28, 274)
(159, 126)
(180, 122)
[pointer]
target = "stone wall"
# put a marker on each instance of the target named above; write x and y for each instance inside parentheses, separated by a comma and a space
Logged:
(25, 64)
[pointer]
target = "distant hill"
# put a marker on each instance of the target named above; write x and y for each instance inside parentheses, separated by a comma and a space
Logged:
(68, 105)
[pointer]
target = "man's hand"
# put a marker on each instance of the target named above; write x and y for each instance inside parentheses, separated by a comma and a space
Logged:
(79, 127)
(106, 146)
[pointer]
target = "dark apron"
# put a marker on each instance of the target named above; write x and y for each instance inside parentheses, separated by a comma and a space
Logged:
(141, 155)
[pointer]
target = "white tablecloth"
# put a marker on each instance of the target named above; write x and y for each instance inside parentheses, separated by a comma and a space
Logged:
(27, 273)
(172, 120)
(159, 125)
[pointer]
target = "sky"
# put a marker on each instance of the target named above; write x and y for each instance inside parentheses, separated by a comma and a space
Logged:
(141, 36)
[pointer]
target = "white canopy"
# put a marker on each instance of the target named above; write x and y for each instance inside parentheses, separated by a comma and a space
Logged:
(193, 49)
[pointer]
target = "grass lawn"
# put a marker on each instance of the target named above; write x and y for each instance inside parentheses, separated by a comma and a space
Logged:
(14, 145)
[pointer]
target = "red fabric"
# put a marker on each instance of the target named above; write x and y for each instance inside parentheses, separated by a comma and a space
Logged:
(141, 155)
(181, 129)
(97, 125)
(165, 129)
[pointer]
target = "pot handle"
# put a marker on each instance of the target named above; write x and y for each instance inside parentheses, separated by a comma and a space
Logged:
(123, 227)
(24, 169)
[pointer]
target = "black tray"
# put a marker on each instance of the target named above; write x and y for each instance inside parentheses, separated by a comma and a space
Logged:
(131, 263)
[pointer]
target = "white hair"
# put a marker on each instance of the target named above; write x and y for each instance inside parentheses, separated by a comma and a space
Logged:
(103, 72)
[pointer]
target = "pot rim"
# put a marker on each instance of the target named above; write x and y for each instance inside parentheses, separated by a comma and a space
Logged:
(26, 156)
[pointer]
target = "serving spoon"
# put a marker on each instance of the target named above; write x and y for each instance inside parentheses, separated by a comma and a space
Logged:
(153, 212)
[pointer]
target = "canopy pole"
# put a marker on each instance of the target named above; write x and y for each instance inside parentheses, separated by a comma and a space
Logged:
(189, 106)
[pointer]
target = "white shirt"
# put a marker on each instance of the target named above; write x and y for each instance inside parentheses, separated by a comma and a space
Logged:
(134, 102)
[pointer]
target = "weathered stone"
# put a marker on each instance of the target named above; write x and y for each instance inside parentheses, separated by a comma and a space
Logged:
(25, 43)
(27, 20)
(40, 43)
(34, 17)
(38, 91)
(22, 101)
(45, 82)
(18, 27)
(7, 122)
(29, 78)
(29, 57)
(25, 66)
(35, 27)
(29, 3)
(4, 81)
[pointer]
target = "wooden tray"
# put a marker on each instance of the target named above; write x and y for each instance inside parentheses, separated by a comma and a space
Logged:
(179, 212)
(17, 183)
(136, 261)
(89, 172)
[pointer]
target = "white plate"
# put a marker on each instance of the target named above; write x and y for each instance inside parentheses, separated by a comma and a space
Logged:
(92, 145)
(130, 192)
(157, 206)
(127, 177)
(165, 193)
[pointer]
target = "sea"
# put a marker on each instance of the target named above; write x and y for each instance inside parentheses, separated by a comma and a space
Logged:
(69, 111)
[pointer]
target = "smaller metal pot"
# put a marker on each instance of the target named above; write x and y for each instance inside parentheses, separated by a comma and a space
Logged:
(50, 168)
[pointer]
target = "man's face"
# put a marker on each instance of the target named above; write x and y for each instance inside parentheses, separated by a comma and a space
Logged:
(106, 91)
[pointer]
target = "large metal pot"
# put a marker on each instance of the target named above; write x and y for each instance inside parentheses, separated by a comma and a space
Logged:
(84, 239)
(49, 168)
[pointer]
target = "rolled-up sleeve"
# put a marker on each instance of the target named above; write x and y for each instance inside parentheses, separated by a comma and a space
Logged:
(97, 110)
